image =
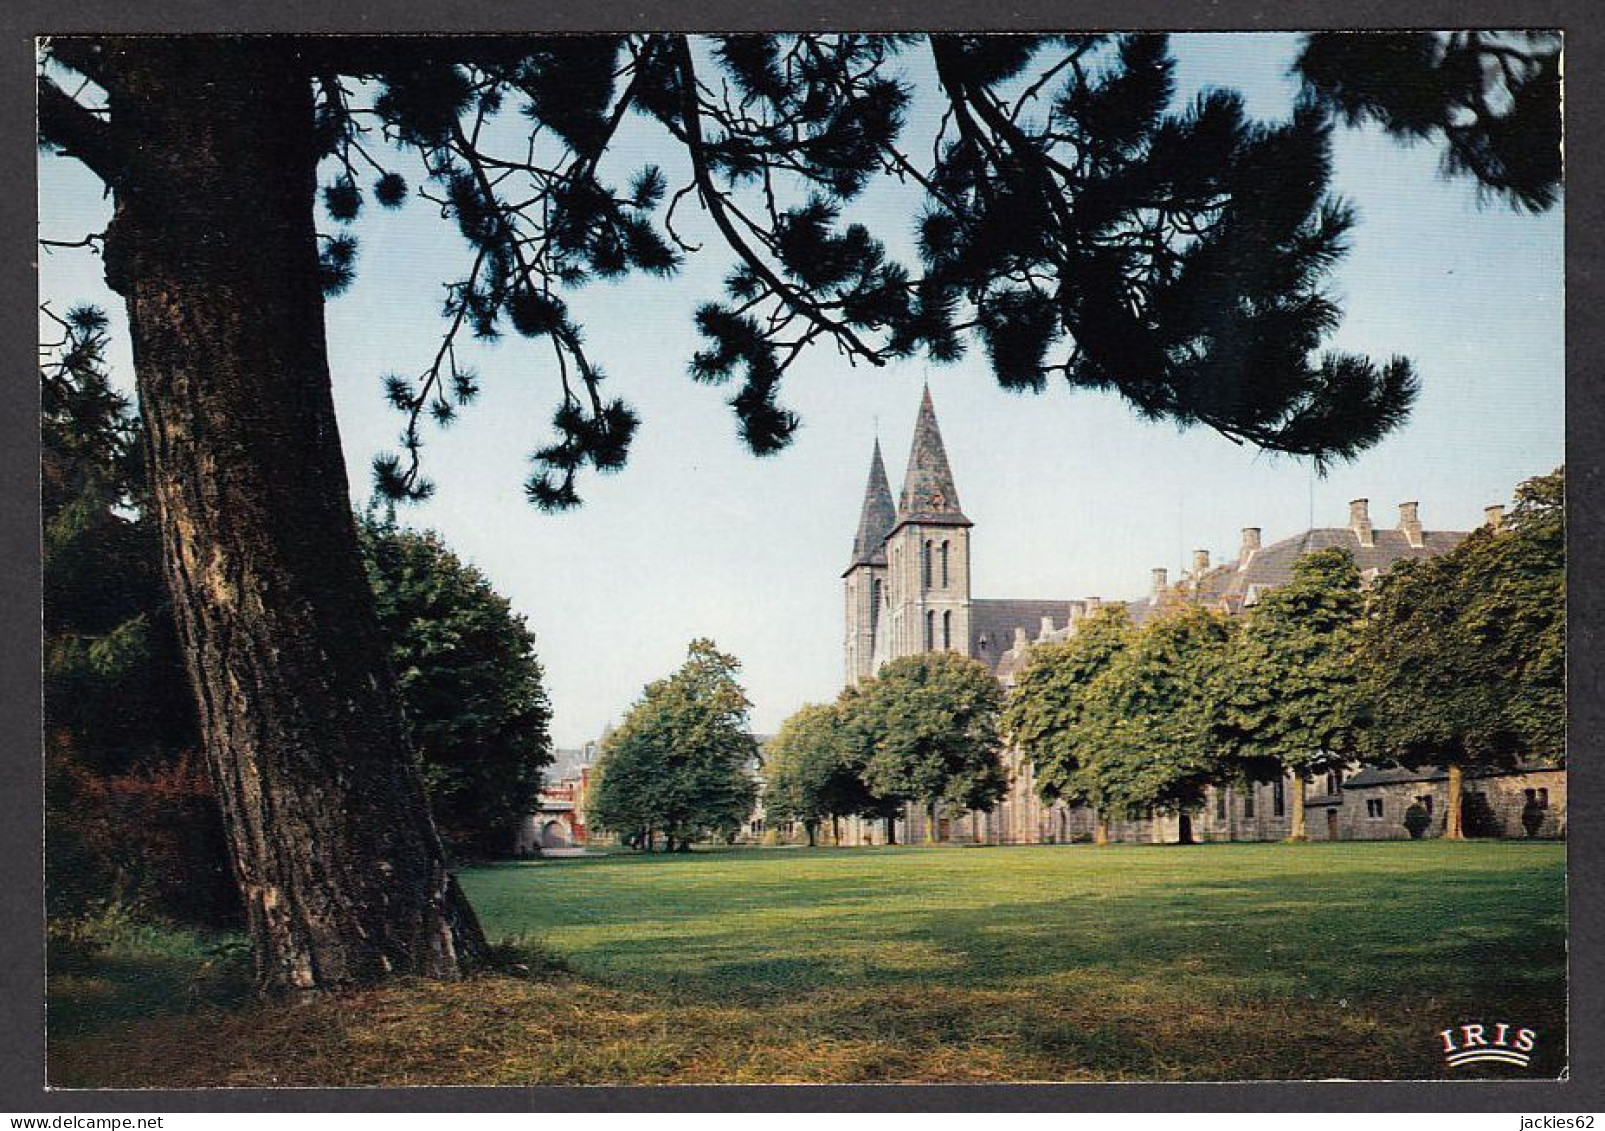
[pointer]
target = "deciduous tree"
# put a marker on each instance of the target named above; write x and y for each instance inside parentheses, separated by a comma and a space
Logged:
(932, 724)
(1285, 693)
(1147, 742)
(1050, 704)
(680, 762)
(1463, 656)
(470, 684)
(810, 773)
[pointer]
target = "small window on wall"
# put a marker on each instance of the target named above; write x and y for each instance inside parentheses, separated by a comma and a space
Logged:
(1279, 798)
(1373, 808)
(930, 631)
(925, 565)
(947, 632)
(1538, 797)
(944, 565)
(1248, 802)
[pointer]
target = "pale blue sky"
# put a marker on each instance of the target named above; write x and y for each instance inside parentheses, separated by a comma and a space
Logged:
(1071, 495)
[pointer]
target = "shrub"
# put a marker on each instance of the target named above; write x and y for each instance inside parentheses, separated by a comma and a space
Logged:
(152, 839)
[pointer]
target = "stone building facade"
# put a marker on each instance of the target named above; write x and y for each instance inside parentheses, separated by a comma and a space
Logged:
(908, 589)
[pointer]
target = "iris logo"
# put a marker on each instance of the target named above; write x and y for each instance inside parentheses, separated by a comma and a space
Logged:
(1498, 1043)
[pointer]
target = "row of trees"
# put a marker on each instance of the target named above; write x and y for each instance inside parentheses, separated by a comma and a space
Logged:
(924, 730)
(132, 811)
(1453, 661)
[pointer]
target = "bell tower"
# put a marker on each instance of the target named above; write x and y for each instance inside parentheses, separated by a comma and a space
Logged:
(865, 579)
(928, 551)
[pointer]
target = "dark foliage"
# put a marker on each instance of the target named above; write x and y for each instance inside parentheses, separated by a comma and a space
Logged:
(1075, 222)
(1491, 99)
(469, 681)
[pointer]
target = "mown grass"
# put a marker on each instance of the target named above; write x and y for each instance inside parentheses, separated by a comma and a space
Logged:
(907, 964)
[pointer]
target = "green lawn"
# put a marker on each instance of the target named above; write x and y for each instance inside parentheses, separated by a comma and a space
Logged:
(1042, 963)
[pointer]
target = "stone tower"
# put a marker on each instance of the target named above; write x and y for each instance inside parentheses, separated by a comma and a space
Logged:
(866, 574)
(928, 553)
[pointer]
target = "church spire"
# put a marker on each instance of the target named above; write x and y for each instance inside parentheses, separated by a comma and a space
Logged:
(878, 517)
(928, 491)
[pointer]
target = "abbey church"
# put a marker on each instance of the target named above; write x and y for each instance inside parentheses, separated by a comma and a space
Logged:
(908, 590)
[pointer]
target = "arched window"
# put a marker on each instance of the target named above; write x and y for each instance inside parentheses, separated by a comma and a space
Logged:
(930, 631)
(874, 604)
(944, 565)
(925, 565)
(947, 626)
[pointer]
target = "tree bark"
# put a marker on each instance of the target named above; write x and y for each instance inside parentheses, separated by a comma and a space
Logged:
(835, 830)
(891, 830)
(213, 248)
(1453, 822)
(1184, 827)
(809, 827)
(1100, 828)
(931, 832)
(1299, 830)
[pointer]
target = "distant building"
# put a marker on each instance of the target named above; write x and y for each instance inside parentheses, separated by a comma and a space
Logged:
(558, 819)
(907, 588)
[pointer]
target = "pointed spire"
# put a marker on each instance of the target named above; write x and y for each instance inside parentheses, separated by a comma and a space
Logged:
(928, 491)
(878, 516)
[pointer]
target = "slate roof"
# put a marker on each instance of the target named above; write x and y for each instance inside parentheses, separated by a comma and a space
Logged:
(1237, 584)
(929, 495)
(878, 517)
(993, 622)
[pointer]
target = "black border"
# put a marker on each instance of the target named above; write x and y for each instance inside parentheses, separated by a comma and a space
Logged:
(21, 944)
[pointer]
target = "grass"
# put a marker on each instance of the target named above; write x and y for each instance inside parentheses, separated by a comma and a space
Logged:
(908, 964)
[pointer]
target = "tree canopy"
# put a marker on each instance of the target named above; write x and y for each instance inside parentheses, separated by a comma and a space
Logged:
(1285, 693)
(1076, 223)
(470, 684)
(1463, 655)
(1491, 98)
(1147, 742)
(931, 723)
(680, 762)
(1052, 700)
(812, 772)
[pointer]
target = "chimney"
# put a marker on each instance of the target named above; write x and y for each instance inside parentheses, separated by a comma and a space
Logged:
(1020, 641)
(1410, 523)
(1360, 521)
(1200, 563)
(1494, 517)
(1093, 604)
(1250, 543)
(1161, 580)
(1047, 628)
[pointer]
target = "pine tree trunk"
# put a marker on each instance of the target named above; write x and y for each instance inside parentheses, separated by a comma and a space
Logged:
(891, 830)
(931, 836)
(835, 831)
(810, 828)
(214, 250)
(1299, 830)
(1453, 823)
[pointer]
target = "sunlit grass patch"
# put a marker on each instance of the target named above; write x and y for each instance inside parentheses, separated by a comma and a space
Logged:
(1073, 963)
